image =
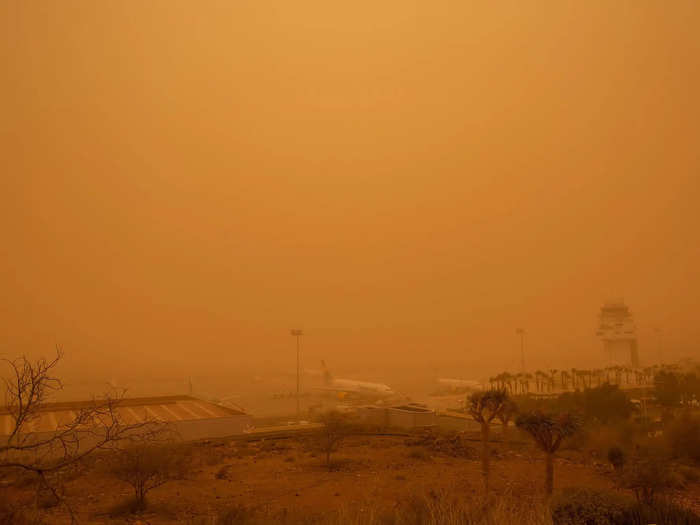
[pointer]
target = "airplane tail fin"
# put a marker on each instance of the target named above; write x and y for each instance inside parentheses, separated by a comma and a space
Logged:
(327, 377)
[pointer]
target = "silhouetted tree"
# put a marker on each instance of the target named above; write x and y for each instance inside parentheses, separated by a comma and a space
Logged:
(606, 403)
(335, 429)
(96, 426)
(146, 466)
(648, 476)
(667, 388)
(616, 457)
(484, 407)
(548, 431)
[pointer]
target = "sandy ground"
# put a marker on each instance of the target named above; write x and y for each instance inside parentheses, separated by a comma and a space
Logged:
(288, 474)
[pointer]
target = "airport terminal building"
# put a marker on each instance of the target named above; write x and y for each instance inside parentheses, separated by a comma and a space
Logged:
(191, 417)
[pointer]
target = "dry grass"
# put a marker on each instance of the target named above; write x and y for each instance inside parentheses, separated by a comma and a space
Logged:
(432, 508)
(443, 508)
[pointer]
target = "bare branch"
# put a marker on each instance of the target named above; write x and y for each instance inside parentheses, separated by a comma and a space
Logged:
(97, 426)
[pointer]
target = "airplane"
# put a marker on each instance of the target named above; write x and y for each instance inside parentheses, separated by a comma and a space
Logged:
(351, 386)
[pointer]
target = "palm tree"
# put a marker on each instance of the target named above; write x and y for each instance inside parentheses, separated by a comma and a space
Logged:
(538, 379)
(484, 407)
(516, 383)
(618, 375)
(564, 380)
(548, 431)
(598, 376)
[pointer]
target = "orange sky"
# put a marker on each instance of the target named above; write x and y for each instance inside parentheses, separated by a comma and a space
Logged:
(184, 181)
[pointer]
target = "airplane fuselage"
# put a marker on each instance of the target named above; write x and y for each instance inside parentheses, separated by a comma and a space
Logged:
(363, 387)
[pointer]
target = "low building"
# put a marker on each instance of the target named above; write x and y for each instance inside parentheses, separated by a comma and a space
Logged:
(191, 417)
(402, 416)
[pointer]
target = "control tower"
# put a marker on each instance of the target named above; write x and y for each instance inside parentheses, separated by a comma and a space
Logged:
(618, 333)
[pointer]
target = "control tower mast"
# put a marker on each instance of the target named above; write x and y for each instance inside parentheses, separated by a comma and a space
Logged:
(618, 333)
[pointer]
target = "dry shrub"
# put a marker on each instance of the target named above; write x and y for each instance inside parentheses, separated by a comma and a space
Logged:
(617, 458)
(571, 507)
(238, 515)
(147, 466)
(597, 440)
(14, 512)
(419, 454)
(683, 437)
(579, 506)
(444, 508)
(224, 472)
(650, 476)
(244, 449)
(450, 443)
(336, 428)
(689, 474)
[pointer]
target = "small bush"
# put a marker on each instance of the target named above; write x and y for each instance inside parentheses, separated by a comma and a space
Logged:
(237, 515)
(616, 458)
(223, 472)
(147, 466)
(587, 507)
(689, 474)
(599, 439)
(336, 427)
(683, 437)
(444, 508)
(17, 512)
(650, 476)
(662, 513)
(591, 507)
(419, 454)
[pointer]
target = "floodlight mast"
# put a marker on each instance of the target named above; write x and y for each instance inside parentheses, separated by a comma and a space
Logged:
(297, 333)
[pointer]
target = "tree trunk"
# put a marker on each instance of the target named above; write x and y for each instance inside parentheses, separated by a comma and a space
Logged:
(485, 456)
(140, 495)
(549, 478)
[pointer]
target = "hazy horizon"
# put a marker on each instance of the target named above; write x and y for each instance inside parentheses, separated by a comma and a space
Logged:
(407, 182)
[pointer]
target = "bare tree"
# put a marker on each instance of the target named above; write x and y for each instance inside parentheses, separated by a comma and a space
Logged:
(336, 428)
(548, 431)
(146, 466)
(96, 426)
(484, 407)
(648, 476)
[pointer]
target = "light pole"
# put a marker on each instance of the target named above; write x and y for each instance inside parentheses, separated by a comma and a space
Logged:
(297, 334)
(521, 333)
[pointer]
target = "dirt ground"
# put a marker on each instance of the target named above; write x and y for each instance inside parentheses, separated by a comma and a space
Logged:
(287, 474)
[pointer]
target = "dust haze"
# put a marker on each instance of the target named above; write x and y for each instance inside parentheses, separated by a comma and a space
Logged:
(349, 263)
(407, 182)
